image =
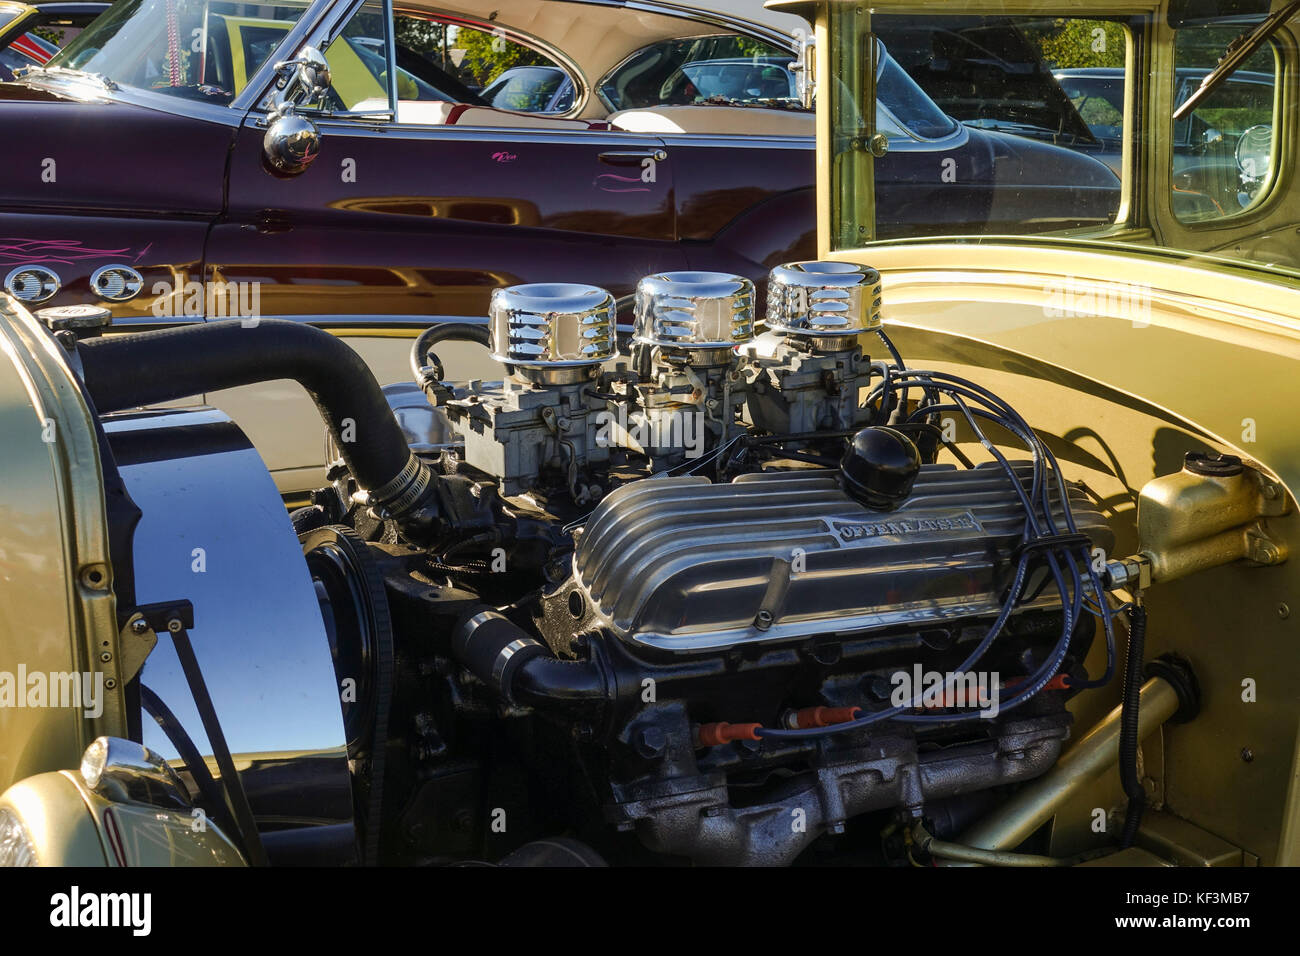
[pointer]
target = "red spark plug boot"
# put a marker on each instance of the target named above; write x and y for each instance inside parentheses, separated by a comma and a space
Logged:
(711, 735)
(810, 717)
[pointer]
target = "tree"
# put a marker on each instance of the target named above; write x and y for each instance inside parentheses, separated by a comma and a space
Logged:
(488, 55)
(1074, 43)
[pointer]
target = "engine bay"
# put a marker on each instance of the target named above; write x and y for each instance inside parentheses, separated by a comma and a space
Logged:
(697, 594)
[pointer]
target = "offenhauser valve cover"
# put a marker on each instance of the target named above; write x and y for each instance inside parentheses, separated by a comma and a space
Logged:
(685, 565)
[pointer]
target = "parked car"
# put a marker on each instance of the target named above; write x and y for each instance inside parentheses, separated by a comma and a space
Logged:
(366, 229)
(31, 34)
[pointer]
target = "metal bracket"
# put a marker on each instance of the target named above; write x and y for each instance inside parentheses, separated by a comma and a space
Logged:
(1263, 549)
(135, 642)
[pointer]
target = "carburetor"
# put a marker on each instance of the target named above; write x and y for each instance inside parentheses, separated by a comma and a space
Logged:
(688, 328)
(814, 368)
(553, 339)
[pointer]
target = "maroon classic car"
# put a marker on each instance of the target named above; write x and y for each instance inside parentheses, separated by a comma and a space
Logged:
(184, 160)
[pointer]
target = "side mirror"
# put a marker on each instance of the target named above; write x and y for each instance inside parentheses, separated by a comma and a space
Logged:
(804, 68)
(292, 142)
(306, 78)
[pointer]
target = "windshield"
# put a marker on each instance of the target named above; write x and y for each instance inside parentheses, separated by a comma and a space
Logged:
(196, 49)
(1068, 130)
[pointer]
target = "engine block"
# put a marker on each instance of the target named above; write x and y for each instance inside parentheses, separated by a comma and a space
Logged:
(685, 566)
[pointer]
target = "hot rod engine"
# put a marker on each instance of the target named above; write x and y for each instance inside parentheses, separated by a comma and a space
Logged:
(711, 598)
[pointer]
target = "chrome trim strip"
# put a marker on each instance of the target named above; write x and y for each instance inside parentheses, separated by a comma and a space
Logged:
(737, 140)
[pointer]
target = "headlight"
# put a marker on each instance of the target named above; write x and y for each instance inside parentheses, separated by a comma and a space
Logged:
(16, 847)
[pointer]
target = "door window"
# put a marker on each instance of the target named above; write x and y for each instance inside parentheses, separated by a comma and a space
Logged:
(1223, 149)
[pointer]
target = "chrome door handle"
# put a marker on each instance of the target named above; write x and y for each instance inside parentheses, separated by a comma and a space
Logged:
(633, 157)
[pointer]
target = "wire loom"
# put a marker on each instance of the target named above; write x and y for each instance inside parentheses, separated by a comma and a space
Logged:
(1066, 551)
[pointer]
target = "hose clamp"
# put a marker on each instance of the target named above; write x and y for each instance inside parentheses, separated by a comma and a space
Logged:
(406, 490)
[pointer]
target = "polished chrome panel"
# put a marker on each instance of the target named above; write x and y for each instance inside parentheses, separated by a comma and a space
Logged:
(694, 310)
(116, 283)
(32, 284)
(552, 325)
(214, 531)
(823, 299)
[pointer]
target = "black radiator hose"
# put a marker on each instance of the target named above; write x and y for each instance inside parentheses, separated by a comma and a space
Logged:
(456, 331)
(1128, 727)
(518, 667)
(129, 370)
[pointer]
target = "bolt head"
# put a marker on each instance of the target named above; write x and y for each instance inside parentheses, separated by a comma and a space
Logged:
(174, 625)
(139, 626)
(650, 742)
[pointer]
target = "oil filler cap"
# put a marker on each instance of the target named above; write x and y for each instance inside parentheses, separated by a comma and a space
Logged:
(880, 467)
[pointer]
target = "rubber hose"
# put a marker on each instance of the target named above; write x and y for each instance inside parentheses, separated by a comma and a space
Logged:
(144, 368)
(444, 331)
(1128, 732)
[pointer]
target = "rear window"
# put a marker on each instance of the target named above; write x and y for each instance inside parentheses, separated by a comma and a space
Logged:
(726, 68)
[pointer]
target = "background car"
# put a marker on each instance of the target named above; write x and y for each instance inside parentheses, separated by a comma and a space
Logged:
(31, 34)
(420, 200)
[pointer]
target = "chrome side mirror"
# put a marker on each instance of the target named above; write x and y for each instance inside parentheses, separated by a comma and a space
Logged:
(306, 77)
(292, 142)
(804, 67)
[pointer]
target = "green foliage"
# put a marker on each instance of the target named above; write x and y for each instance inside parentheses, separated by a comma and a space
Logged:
(1073, 43)
(49, 33)
(487, 56)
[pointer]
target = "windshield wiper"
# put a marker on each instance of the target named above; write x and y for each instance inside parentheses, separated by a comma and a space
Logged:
(1238, 52)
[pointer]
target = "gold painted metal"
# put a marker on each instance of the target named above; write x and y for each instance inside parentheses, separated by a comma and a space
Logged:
(57, 819)
(69, 825)
(57, 610)
(137, 641)
(1189, 522)
(1185, 844)
(1098, 751)
(1133, 856)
